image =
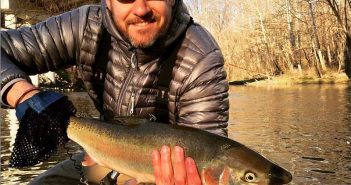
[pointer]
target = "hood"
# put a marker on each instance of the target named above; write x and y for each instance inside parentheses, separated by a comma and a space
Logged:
(179, 23)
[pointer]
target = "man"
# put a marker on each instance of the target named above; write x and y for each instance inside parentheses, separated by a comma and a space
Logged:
(122, 50)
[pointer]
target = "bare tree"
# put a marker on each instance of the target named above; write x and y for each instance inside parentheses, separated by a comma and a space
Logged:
(32, 11)
(342, 19)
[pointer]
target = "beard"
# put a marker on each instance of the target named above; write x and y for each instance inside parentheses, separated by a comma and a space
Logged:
(143, 38)
(147, 41)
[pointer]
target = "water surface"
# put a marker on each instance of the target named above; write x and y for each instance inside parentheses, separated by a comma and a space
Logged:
(304, 128)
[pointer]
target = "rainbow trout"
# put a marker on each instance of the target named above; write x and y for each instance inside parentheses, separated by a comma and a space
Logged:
(126, 147)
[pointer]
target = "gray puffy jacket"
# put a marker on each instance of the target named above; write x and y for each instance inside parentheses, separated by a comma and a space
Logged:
(120, 79)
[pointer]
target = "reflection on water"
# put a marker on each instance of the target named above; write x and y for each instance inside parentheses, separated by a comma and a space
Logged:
(306, 129)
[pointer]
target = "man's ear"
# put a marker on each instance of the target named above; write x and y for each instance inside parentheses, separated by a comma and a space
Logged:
(108, 4)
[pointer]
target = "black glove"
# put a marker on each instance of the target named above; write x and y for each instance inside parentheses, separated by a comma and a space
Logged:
(43, 124)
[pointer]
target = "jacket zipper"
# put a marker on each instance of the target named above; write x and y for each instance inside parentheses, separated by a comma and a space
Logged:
(134, 65)
(132, 103)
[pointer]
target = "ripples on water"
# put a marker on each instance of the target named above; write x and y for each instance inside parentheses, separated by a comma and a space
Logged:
(306, 129)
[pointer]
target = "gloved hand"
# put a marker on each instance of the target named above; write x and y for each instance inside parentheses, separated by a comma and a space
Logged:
(43, 123)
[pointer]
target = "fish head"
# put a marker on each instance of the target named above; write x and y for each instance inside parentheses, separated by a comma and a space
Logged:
(246, 168)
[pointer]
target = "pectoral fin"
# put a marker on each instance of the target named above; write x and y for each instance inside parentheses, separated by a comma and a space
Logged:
(217, 176)
(210, 176)
(88, 161)
(226, 178)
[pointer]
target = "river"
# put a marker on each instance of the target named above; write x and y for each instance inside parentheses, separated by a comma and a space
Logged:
(304, 128)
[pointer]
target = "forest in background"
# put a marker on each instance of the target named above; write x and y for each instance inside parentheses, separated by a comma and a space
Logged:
(259, 39)
(274, 37)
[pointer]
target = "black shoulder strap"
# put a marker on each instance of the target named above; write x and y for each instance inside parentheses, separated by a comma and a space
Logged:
(104, 48)
(167, 62)
(99, 67)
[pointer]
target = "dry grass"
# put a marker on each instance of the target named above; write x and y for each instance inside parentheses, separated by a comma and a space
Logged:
(330, 77)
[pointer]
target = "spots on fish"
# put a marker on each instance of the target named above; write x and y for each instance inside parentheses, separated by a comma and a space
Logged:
(225, 146)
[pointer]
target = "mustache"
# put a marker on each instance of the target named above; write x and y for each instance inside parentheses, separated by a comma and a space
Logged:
(146, 18)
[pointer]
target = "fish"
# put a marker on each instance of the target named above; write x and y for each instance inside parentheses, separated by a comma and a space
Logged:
(126, 144)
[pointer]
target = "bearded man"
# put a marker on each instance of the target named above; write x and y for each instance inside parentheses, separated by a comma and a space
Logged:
(136, 58)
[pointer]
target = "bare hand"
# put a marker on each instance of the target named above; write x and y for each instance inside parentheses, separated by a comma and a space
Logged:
(177, 170)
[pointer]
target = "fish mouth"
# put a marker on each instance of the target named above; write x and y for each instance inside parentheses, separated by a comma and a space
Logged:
(279, 175)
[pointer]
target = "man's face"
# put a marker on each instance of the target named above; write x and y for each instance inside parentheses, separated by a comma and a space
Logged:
(142, 22)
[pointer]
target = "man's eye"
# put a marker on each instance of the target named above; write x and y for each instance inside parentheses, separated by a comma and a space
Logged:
(126, 1)
(132, 1)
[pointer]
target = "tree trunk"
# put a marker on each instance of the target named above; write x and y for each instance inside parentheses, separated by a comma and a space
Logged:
(347, 56)
(344, 25)
(292, 37)
(320, 65)
(277, 69)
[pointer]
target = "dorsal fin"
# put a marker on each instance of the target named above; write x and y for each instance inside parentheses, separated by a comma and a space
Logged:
(129, 121)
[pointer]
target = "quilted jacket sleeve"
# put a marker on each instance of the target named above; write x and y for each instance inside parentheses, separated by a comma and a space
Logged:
(47, 46)
(204, 100)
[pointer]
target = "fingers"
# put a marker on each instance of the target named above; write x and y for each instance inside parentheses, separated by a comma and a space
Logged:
(179, 166)
(130, 182)
(193, 177)
(174, 170)
(156, 163)
(166, 166)
(162, 165)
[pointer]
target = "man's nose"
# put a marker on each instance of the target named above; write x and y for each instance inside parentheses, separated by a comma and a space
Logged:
(141, 8)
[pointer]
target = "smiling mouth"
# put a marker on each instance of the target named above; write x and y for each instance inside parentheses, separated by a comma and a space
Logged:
(141, 23)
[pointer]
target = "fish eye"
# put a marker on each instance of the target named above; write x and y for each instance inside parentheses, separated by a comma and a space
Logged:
(250, 177)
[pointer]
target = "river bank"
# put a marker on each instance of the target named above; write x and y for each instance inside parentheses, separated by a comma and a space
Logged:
(295, 79)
